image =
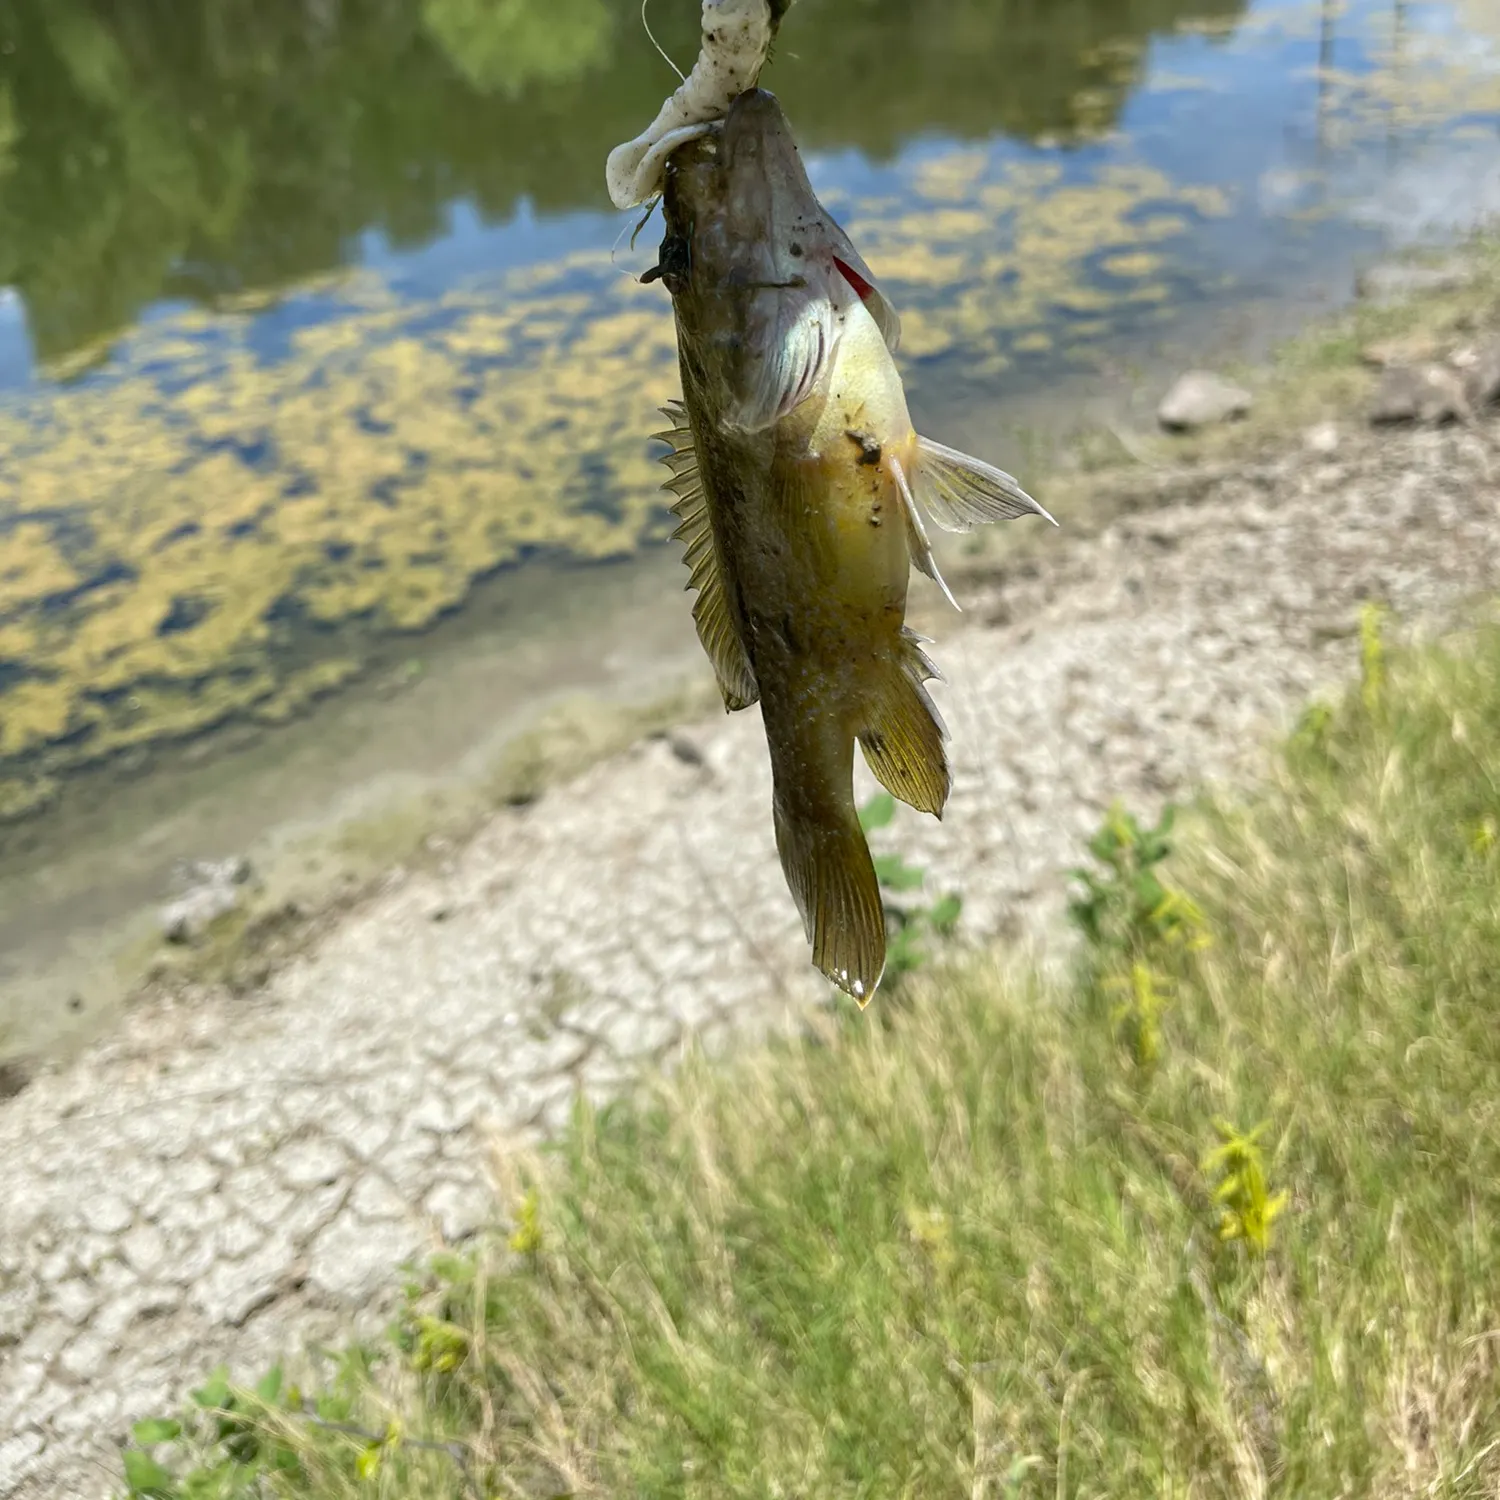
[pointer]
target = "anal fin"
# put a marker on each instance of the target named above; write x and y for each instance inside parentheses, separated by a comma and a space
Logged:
(903, 738)
(716, 632)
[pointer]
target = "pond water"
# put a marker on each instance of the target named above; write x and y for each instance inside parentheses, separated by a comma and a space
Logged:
(317, 333)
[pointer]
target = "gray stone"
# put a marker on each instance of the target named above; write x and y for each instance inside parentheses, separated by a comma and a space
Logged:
(107, 1214)
(1430, 394)
(89, 1413)
(1322, 439)
(144, 1249)
(374, 1199)
(311, 1209)
(1202, 399)
(19, 1296)
(18, 1458)
(310, 1163)
(74, 1300)
(365, 1137)
(190, 873)
(46, 1340)
(85, 1358)
(1395, 281)
(232, 1291)
(187, 919)
(436, 1115)
(119, 1313)
(351, 1262)
(1480, 368)
(237, 1237)
(461, 1210)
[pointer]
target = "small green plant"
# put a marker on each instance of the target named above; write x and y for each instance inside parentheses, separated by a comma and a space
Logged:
(1372, 657)
(909, 927)
(931, 1230)
(526, 1237)
(376, 1450)
(434, 1345)
(1137, 1018)
(1242, 1190)
(229, 1427)
(1485, 837)
(1312, 728)
(1125, 909)
(429, 1336)
(276, 1440)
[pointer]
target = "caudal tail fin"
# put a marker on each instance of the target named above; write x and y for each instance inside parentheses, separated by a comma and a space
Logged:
(822, 846)
(832, 878)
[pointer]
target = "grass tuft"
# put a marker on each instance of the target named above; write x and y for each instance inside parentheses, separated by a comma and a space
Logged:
(1232, 1229)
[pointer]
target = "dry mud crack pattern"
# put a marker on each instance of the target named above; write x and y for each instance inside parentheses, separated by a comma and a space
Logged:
(225, 1178)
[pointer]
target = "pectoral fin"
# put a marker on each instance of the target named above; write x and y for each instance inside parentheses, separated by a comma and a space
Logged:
(904, 733)
(960, 492)
(784, 355)
(716, 630)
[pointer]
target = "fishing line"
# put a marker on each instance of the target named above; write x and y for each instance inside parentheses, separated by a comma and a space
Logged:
(644, 22)
(635, 234)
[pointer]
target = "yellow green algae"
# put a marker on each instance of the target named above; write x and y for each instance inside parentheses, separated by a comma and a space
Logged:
(220, 524)
(206, 531)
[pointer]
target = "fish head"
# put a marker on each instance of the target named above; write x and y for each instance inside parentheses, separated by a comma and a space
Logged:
(759, 272)
(768, 200)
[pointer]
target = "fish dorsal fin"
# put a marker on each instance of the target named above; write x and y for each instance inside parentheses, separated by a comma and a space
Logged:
(787, 350)
(904, 733)
(960, 492)
(916, 533)
(716, 630)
